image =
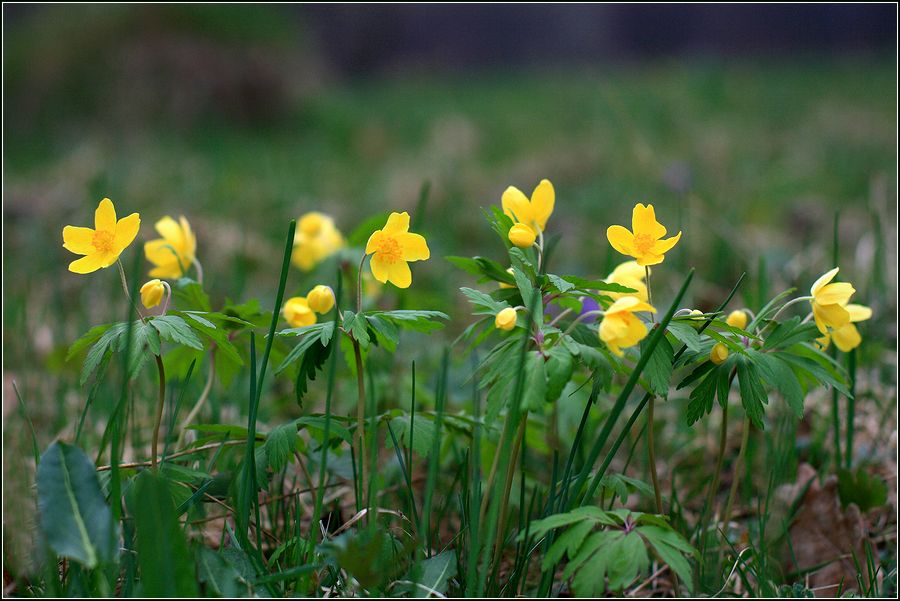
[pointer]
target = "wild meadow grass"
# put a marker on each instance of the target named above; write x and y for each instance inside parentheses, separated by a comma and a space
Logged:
(490, 408)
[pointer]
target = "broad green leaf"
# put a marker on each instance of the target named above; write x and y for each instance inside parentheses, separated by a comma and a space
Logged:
(484, 304)
(659, 368)
(191, 294)
(701, 399)
(280, 444)
(174, 329)
(436, 572)
(559, 367)
(753, 394)
(422, 433)
(686, 334)
(535, 393)
(74, 517)
(779, 375)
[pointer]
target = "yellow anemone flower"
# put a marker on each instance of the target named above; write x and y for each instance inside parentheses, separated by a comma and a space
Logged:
(392, 248)
(321, 299)
(175, 252)
(533, 213)
(629, 274)
(620, 328)
(316, 239)
(719, 353)
(645, 242)
(847, 337)
(152, 293)
(505, 319)
(103, 244)
(829, 302)
(297, 312)
(737, 319)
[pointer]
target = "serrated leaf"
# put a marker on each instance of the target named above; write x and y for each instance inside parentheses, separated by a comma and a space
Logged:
(535, 389)
(174, 329)
(419, 321)
(686, 334)
(107, 343)
(422, 433)
(484, 304)
(280, 444)
(868, 491)
(386, 332)
(753, 394)
(658, 370)
(562, 286)
(701, 399)
(191, 293)
(559, 367)
(779, 375)
(87, 339)
(791, 332)
(74, 517)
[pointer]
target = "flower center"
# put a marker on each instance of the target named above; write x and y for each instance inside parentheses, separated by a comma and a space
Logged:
(389, 250)
(643, 243)
(103, 241)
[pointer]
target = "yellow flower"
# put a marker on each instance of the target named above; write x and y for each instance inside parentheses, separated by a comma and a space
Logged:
(829, 302)
(719, 353)
(315, 240)
(504, 284)
(321, 299)
(737, 319)
(392, 247)
(103, 244)
(645, 243)
(620, 328)
(174, 253)
(847, 337)
(505, 319)
(534, 213)
(629, 274)
(152, 293)
(297, 312)
(521, 235)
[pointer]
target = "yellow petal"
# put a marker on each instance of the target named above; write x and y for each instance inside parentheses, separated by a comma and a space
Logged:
(88, 264)
(621, 239)
(78, 240)
(846, 338)
(126, 231)
(643, 221)
(168, 271)
(516, 205)
(834, 316)
(650, 259)
(832, 294)
(190, 240)
(169, 229)
(629, 270)
(374, 241)
(637, 331)
(543, 200)
(664, 246)
(414, 247)
(824, 279)
(397, 222)
(613, 327)
(161, 252)
(400, 275)
(858, 312)
(105, 216)
(381, 269)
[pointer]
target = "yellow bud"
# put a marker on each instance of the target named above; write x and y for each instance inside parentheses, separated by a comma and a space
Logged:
(152, 293)
(718, 354)
(506, 319)
(521, 235)
(320, 299)
(696, 316)
(297, 312)
(504, 284)
(737, 319)
(311, 223)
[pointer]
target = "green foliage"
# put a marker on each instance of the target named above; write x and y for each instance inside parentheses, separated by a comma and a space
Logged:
(75, 519)
(867, 490)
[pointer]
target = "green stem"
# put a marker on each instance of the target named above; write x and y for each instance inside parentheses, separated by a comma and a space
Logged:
(485, 499)
(649, 301)
(159, 409)
(851, 407)
(360, 421)
(510, 473)
(652, 455)
(736, 478)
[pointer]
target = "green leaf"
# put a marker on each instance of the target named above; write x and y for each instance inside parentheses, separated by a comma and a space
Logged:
(535, 393)
(486, 268)
(659, 368)
(753, 394)
(791, 332)
(484, 304)
(107, 343)
(310, 363)
(420, 321)
(562, 286)
(280, 444)
(567, 543)
(144, 344)
(191, 293)
(86, 340)
(671, 549)
(386, 332)
(219, 575)
(360, 235)
(866, 490)
(686, 334)
(218, 336)
(436, 572)
(74, 517)
(701, 399)
(174, 329)
(309, 335)
(779, 375)
(559, 367)
(587, 285)
(422, 435)
(167, 569)
(525, 286)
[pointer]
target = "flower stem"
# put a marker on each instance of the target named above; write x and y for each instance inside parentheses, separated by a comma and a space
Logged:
(159, 409)
(652, 455)
(199, 268)
(736, 478)
(492, 475)
(581, 318)
(360, 421)
(125, 288)
(195, 410)
(510, 474)
(649, 302)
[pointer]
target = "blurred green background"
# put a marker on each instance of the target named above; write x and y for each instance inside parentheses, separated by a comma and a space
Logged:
(241, 118)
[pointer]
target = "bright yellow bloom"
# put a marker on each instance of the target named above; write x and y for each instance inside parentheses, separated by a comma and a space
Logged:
(321, 299)
(392, 247)
(504, 284)
(847, 337)
(719, 353)
(297, 312)
(521, 235)
(315, 240)
(620, 328)
(737, 319)
(829, 302)
(645, 243)
(175, 252)
(534, 213)
(152, 293)
(629, 274)
(103, 244)
(506, 319)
